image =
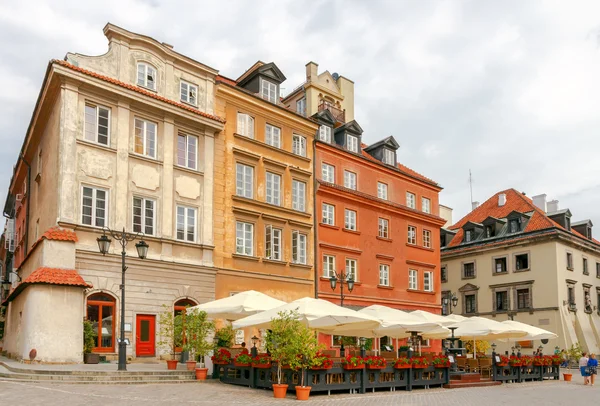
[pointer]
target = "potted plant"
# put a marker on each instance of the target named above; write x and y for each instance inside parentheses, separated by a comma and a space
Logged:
(503, 361)
(279, 344)
(419, 362)
(198, 327)
(221, 357)
(556, 359)
(262, 361)
(353, 362)
(402, 363)
(322, 361)
(375, 362)
(526, 361)
(169, 330)
(89, 341)
(306, 347)
(441, 361)
(224, 337)
(574, 353)
(242, 360)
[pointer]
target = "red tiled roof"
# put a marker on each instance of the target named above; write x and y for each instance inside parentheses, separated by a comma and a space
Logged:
(224, 79)
(56, 233)
(138, 90)
(56, 276)
(496, 243)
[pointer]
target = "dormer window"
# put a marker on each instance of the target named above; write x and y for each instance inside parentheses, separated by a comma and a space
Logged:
(301, 106)
(268, 90)
(189, 93)
(568, 223)
(146, 76)
(388, 157)
(489, 231)
(469, 234)
(352, 143)
(514, 225)
(325, 134)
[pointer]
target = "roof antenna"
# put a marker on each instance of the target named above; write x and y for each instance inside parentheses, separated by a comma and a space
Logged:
(471, 186)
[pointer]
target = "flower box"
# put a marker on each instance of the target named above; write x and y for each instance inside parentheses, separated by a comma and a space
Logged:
(262, 366)
(353, 362)
(353, 367)
(420, 366)
(403, 366)
(241, 364)
(321, 368)
(502, 364)
(442, 365)
(375, 366)
(221, 362)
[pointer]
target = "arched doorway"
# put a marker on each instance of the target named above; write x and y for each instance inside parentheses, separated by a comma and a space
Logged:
(179, 309)
(100, 310)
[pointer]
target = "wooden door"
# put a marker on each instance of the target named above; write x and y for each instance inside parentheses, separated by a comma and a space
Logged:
(145, 345)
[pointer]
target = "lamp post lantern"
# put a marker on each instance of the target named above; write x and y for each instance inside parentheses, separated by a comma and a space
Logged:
(254, 350)
(450, 301)
(142, 250)
(342, 278)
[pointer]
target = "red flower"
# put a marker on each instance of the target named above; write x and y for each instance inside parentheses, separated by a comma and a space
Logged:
(222, 356)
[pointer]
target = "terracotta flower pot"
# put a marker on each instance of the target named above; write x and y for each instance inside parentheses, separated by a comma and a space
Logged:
(191, 365)
(567, 377)
(352, 367)
(420, 366)
(302, 392)
(408, 366)
(172, 364)
(201, 373)
(375, 367)
(279, 390)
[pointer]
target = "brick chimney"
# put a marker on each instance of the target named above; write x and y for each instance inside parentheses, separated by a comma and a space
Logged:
(540, 202)
(312, 72)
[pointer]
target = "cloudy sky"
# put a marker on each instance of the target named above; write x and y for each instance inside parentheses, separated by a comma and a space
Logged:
(507, 89)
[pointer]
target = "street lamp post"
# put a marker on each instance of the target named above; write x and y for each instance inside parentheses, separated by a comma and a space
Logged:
(142, 249)
(450, 298)
(342, 278)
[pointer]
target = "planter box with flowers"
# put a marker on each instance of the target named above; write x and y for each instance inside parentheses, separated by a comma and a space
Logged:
(322, 361)
(419, 362)
(242, 360)
(353, 362)
(556, 359)
(222, 357)
(544, 360)
(515, 361)
(402, 363)
(503, 361)
(262, 361)
(374, 362)
(441, 361)
(526, 361)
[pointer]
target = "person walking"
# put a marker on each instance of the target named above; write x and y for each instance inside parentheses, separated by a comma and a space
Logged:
(565, 359)
(583, 362)
(592, 368)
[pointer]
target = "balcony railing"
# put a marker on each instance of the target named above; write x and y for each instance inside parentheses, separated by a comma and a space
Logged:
(339, 115)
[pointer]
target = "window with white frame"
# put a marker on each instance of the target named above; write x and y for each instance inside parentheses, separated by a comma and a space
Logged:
(426, 238)
(273, 136)
(186, 223)
(428, 281)
(273, 243)
(301, 106)
(244, 238)
(298, 195)
(245, 125)
(325, 133)
(187, 151)
(328, 211)
(97, 124)
(382, 191)
(412, 279)
(189, 93)
(146, 76)
(410, 200)
(298, 247)
(328, 173)
(384, 275)
(94, 206)
(425, 205)
(244, 180)
(268, 90)
(350, 180)
(273, 188)
(350, 220)
(145, 138)
(388, 156)
(351, 143)
(351, 269)
(412, 235)
(143, 215)
(384, 228)
(298, 145)
(328, 266)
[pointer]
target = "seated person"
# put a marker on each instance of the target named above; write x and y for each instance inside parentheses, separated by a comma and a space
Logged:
(244, 349)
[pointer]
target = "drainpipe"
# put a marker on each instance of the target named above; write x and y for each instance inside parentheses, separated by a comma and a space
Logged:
(315, 211)
(28, 205)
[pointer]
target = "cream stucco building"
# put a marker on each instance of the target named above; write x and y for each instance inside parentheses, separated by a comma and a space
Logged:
(523, 259)
(123, 140)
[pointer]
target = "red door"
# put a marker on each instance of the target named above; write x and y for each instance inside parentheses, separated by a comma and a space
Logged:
(145, 334)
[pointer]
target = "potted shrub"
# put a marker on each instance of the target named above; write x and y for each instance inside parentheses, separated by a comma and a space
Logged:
(224, 337)
(353, 362)
(419, 362)
(402, 363)
(169, 330)
(221, 357)
(242, 360)
(322, 361)
(279, 344)
(306, 347)
(441, 361)
(574, 353)
(262, 361)
(89, 342)
(198, 327)
(375, 362)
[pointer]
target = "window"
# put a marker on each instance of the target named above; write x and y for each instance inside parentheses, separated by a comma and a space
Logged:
(585, 267)
(97, 124)
(384, 275)
(273, 188)
(186, 223)
(469, 235)
(351, 269)
(189, 93)
(298, 247)
(382, 191)
(328, 214)
(388, 156)
(301, 106)
(187, 151)
(244, 180)
(273, 243)
(469, 270)
(489, 231)
(94, 210)
(384, 228)
(597, 269)
(350, 220)
(298, 195)
(352, 143)
(145, 138)
(522, 299)
(412, 235)
(571, 295)
(412, 279)
(328, 266)
(501, 301)
(268, 90)
(500, 265)
(410, 200)
(146, 76)
(273, 136)
(328, 173)
(325, 133)
(428, 281)
(143, 215)
(426, 238)
(514, 225)
(244, 238)
(425, 205)
(100, 309)
(444, 274)
(245, 125)
(299, 145)
(470, 304)
(350, 180)
(569, 261)
(522, 262)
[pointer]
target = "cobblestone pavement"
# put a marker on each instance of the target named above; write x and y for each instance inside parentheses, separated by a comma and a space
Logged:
(215, 393)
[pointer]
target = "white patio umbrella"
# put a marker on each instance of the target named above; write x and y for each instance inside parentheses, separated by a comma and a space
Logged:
(433, 318)
(456, 317)
(239, 305)
(533, 333)
(317, 314)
